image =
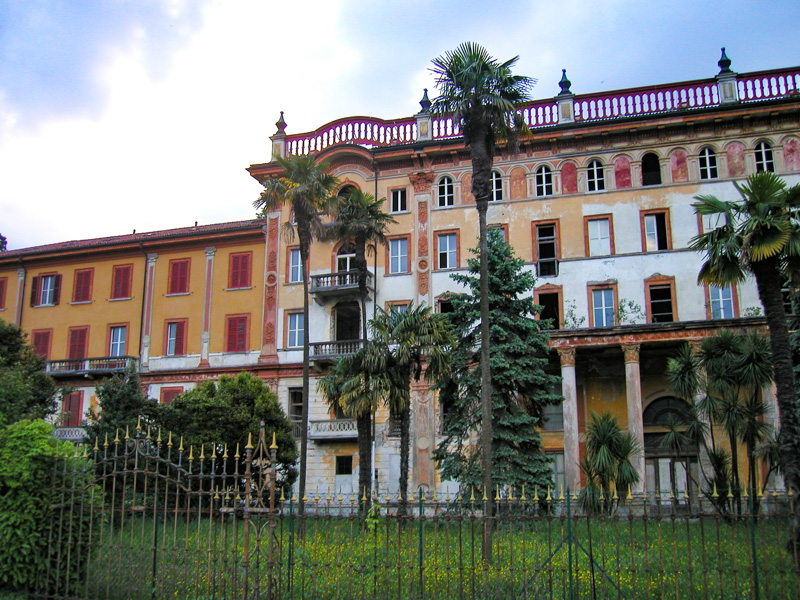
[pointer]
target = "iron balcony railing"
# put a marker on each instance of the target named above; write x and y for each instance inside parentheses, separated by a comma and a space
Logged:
(333, 350)
(70, 434)
(89, 366)
(337, 429)
(338, 284)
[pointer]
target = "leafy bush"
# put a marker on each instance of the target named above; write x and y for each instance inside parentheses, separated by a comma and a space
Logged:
(29, 456)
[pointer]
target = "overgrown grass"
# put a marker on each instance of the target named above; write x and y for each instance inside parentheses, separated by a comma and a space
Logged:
(440, 557)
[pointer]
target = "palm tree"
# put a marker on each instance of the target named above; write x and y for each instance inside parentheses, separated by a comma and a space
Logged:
(760, 235)
(482, 94)
(406, 345)
(359, 217)
(306, 188)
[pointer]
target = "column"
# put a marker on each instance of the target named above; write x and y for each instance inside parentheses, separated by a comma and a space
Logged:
(569, 388)
(20, 296)
(269, 316)
(147, 313)
(633, 388)
(205, 338)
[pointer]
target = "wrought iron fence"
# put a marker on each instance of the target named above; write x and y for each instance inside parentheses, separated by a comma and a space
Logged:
(146, 517)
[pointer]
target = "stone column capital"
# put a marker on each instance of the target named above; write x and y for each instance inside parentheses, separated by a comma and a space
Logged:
(631, 352)
(567, 356)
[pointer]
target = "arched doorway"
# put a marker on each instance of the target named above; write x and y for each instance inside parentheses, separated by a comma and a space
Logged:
(670, 472)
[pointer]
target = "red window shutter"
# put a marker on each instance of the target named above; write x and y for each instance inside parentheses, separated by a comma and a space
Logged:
(3, 285)
(56, 288)
(41, 343)
(180, 336)
(237, 334)
(233, 271)
(35, 286)
(239, 276)
(178, 277)
(72, 408)
(122, 282)
(169, 394)
(77, 343)
(82, 291)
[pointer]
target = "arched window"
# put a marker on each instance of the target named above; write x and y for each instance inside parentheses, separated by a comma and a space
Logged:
(346, 190)
(345, 258)
(656, 413)
(544, 181)
(445, 194)
(497, 187)
(651, 169)
(708, 164)
(595, 181)
(764, 160)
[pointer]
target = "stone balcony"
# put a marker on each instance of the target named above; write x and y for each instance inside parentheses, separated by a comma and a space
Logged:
(332, 430)
(336, 285)
(90, 366)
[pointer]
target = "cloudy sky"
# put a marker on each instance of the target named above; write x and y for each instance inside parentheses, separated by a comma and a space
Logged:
(118, 115)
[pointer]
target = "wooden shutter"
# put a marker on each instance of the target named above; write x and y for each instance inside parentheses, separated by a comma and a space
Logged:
(178, 277)
(82, 291)
(237, 334)
(3, 286)
(239, 270)
(56, 288)
(169, 394)
(36, 283)
(180, 337)
(72, 409)
(122, 282)
(41, 343)
(77, 343)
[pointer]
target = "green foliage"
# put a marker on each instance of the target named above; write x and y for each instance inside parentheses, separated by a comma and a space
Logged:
(26, 391)
(29, 457)
(224, 413)
(609, 450)
(121, 405)
(520, 386)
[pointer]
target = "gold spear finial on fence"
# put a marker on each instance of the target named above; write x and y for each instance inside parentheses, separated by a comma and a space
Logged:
(511, 493)
(411, 496)
(472, 494)
(274, 445)
(105, 443)
(615, 497)
(127, 436)
(328, 496)
(353, 497)
(225, 452)
(497, 493)
(202, 451)
(602, 496)
(364, 494)
(116, 439)
(236, 456)
(561, 493)
(447, 494)
(485, 497)
(169, 440)
(730, 491)
(283, 496)
(96, 447)
(139, 424)
(549, 496)
(180, 447)
(629, 496)
(191, 453)
(216, 492)
(158, 439)
(714, 491)
(249, 441)
(148, 438)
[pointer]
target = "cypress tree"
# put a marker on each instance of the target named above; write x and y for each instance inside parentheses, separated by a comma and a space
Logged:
(521, 386)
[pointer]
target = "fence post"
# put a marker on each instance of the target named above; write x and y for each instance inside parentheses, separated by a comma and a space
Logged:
(753, 543)
(570, 542)
(421, 548)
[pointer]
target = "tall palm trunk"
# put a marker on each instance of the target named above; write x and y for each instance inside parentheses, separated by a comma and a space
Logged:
(768, 282)
(362, 273)
(305, 244)
(405, 450)
(364, 429)
(482, 153)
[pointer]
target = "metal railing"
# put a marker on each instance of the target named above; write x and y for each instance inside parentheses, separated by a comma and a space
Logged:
(138, 518)
(104, 364)
(332, 282)
(334, 349)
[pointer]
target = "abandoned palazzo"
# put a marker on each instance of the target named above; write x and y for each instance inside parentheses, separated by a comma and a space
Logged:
(597, 201)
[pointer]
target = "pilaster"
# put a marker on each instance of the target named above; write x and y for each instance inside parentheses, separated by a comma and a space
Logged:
(633, 389)
(569, 389)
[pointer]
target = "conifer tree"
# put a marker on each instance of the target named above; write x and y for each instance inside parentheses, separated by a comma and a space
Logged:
(521, 386)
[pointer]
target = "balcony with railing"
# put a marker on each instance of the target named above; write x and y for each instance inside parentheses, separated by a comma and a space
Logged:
(372, 132)
(335, 429)
(326, 352)
(335, 285)
(90, 366)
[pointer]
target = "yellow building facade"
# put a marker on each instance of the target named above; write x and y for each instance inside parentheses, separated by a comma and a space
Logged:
(597, 202)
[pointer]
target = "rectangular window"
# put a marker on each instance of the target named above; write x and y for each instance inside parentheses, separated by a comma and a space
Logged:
(295, 404)
(117, 338)
(447, 250)
(557, 460)
(78, 342)
(176, 338)
(721, 302)
(598, 234)
(344, 465)
(40, 340)
(72, 405)
(659, 302)
(178, 276)
(551, 308)
(445, 193)
(121, 282)
(708, 164)
(82, 286)
(295, 266)
(544, 181)
(239, 270)
(603, 308)
(399, 201)
(3, 289)
(400, 306)
(236, 333)
(398, 255)
(655, 231)
(595, 178)
(46, 290)
(546, 249)
(168, 394)
(553, 417)
(294, 330)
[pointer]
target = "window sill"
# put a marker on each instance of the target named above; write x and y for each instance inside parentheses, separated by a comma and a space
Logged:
(397, 274)
(42, 305)
(236, 289)
(177, 294)
(120, 299)
(81, 302)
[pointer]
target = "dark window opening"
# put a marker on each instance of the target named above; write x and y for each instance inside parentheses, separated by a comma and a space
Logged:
(661, 304)
(651, 169)
(445, 307)
(344, 465)
(550, 310)
(547, 250)
(348, 321)
(655, 232)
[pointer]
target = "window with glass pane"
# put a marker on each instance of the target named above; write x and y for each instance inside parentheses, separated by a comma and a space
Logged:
(557, 460)
(764, 160)
(398, 201)
(175, 337)
(721, 302)
(295, 404)
(398, 255)
(546, 250)
(448, 251)
(661, 304)
(599, 237)
(497, 187)
(708, 164)
(48, 283)
(445, 194)
(346, 258)
(544, 181)
(295, 266)
(117, 345)
(603, 307)
(553, 417)
(655, 232)
(294, 337)
(595, 180)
